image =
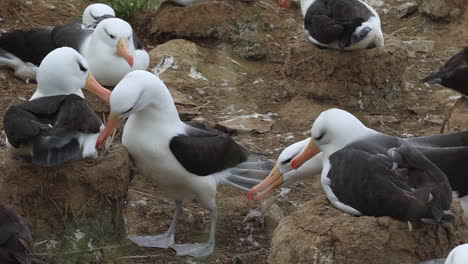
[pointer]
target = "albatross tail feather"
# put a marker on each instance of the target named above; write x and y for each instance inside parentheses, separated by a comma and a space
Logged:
(248, 173)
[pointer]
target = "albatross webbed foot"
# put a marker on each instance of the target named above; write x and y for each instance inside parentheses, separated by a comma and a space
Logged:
(196, 250)
(159, 241)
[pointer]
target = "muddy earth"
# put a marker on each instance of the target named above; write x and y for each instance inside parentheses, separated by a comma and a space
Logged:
(242, 67)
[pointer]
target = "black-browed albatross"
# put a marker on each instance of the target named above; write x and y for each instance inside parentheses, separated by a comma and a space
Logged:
(185, 161)
(95, 13)
(344, 134)
(340, 24)
(108, 49)
(57, 125)
(453, 74)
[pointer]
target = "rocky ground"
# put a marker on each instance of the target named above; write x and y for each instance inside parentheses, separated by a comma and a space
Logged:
(244, 68)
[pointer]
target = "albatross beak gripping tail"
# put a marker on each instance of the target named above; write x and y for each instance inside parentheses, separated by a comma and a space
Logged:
(112, 123)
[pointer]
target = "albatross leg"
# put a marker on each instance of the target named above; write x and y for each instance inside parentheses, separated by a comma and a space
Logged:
(161, 241)
(199, 249)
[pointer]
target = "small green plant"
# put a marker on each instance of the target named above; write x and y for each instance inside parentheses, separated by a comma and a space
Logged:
(125, 9)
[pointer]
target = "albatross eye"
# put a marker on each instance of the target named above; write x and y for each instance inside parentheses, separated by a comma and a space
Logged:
(111, 36)
(82, 68)
(287, 161)
(319, 137)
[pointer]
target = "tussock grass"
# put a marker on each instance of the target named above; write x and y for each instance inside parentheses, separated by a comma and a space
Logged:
(125, 9)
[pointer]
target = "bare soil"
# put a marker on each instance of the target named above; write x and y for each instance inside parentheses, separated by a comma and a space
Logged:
(265, 88)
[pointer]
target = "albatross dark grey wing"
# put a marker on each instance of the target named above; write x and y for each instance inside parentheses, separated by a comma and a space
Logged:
(203, 153)
(70, 35)
(335, 20)
(379, 188)
(15, 238)
(52, 126)
(453, 74)
(28, 45)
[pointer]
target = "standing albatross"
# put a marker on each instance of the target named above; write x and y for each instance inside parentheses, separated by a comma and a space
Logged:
(369, 173)
(108, 49)
(57, 125)
(340, 24)
(185, 161)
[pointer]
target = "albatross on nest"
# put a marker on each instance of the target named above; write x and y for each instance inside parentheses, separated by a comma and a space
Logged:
(108, 49)
(57, 125)
(359, 162)
(185, 161)
(95, 13)
(340, 24)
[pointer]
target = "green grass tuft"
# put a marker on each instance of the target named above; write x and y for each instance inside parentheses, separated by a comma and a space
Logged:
(125, 9)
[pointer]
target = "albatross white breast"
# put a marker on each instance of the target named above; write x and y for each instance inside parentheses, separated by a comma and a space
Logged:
(185, 161)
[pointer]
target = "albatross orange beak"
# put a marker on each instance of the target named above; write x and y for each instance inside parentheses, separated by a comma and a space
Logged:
(96, 88)
(122, 51)
(274, 179)
(112, 123)
(309, 152)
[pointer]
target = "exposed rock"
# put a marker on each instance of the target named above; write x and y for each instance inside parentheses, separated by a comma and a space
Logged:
(246, 124)
(371, 78)
(457, 119)
(272, 217)
(442, 9)
(419, 45)
(407, 9)
(320, 233)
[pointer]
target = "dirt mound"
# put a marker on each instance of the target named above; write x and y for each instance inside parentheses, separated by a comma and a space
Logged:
(365, 79)
(443, 9)
(457, 119)
(52, 199)
(206, 20)
(319, 233)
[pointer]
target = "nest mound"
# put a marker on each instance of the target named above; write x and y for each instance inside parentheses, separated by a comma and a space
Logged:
(371, 78)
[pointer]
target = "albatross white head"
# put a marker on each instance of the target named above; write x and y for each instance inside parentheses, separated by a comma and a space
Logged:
(332, 130)
(65, 71)
(116, 35)
(92, 13)
(139, 91)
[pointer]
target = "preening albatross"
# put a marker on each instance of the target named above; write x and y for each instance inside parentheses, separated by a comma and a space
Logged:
(409, 168)
(108, 49)
(57, 125)
(185, 161)
(340, 24)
